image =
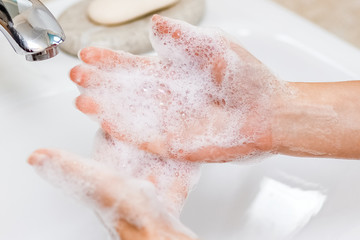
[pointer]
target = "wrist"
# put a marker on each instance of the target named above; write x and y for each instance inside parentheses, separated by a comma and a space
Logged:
(311, 119)
(283, 103)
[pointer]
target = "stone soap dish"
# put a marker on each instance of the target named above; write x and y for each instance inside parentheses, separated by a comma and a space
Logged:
(132, 37)
(115, 12)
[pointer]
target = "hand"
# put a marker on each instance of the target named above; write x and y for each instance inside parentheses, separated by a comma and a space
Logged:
(203, 98)
(128, 207)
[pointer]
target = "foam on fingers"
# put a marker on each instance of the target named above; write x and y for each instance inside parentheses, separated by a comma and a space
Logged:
(118, 199)
(107, 59)
(64, 170)
(112, 195)
(86, 76)
(173, 179)
(190, 43)
(103, 58)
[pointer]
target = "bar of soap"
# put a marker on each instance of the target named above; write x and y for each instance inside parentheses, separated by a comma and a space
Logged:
(111, 12)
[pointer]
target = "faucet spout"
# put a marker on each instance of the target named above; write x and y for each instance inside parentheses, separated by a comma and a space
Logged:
(30, 28)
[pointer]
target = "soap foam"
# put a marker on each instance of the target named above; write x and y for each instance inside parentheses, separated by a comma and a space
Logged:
(177, 97)
(173, 179)
(112, 195)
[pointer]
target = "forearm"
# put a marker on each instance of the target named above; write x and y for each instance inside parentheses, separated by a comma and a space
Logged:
(318, 119)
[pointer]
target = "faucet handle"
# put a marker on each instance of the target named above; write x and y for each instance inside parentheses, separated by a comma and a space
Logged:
(30, 28)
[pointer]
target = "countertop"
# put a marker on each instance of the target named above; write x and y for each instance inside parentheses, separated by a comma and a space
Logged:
(341, 18)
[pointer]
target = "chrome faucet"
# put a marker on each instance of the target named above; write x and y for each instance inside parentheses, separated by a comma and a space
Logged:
(30, 28)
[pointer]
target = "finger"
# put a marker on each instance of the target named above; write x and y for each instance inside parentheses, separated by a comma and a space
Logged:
(38, 157)
(108, 60)
(85, 76)
(112, 130)
(177, 39)
(87, 105)
(70, 172)
(218, 70)
(102, 57)
(157, 147)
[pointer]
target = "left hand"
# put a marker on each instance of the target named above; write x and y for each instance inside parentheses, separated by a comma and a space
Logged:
(128, 207)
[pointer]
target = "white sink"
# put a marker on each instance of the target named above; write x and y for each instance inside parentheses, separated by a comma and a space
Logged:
(280, 198)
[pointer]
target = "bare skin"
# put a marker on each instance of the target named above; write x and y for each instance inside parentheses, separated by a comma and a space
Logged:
(319, 120)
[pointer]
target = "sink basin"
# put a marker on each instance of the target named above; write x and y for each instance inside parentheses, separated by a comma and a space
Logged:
(280, 197)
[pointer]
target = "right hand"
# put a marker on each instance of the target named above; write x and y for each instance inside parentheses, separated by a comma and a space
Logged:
(204, 98)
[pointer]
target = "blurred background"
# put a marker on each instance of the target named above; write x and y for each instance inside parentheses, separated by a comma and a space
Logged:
(340, 17)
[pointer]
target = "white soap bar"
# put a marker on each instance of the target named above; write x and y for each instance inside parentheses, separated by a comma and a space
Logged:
(110, 12)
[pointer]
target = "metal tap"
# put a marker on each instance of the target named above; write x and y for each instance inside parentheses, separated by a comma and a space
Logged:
(30, 28)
